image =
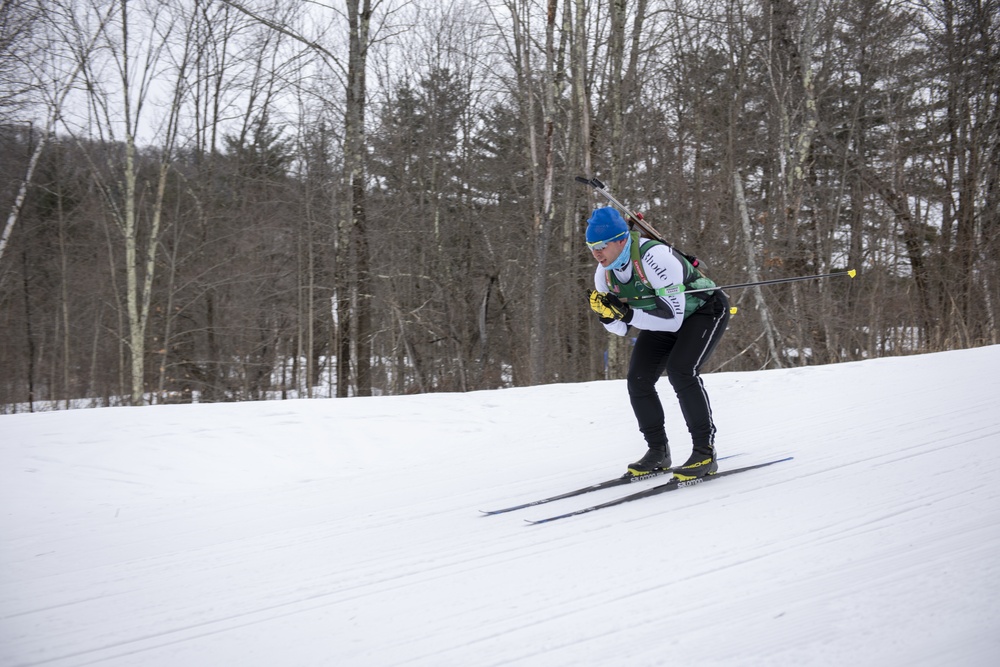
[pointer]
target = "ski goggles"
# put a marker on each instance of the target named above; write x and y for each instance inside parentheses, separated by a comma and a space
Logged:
(601, 245)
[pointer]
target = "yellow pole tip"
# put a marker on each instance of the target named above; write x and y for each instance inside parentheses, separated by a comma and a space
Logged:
(732, 311)
(852, 273)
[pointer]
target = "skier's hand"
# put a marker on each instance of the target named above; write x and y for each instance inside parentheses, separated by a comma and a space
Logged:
(609, 307)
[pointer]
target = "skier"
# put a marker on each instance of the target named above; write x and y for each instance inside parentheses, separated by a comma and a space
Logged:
(677, 334)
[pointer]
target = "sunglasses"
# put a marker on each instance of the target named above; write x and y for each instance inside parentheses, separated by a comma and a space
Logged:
(601, 245)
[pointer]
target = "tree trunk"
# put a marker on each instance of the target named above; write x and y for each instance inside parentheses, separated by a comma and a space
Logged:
(543, 229)
(359, 14)
(766, 320)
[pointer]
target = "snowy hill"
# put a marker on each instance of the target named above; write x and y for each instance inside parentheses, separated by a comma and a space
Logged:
(347, 532)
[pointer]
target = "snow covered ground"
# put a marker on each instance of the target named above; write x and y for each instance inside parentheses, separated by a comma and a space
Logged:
(347, 532)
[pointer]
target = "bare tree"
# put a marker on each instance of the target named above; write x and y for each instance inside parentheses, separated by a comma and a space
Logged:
(545, 206)
(137, 70)
(52, 82)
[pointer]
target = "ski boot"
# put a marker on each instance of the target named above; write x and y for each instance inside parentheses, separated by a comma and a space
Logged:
(654, 460)
(701, 463)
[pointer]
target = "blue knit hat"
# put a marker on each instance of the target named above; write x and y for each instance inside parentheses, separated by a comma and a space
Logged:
(606, 224)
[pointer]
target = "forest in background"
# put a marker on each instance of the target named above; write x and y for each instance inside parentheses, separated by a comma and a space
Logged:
(220, 200)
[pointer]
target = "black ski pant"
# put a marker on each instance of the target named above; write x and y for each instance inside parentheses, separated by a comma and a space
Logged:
(681, 355)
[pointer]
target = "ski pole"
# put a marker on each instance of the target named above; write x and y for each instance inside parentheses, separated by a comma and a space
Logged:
(678, 289)
(634, 216)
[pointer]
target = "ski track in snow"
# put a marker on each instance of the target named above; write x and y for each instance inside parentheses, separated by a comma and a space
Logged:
(347, 532)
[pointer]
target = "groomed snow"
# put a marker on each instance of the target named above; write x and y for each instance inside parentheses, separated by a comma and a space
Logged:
(347, 532)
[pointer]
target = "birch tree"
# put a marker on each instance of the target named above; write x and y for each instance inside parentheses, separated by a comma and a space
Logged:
(138, 45)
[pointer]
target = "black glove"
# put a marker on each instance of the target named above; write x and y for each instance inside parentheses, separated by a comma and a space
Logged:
(609, 307)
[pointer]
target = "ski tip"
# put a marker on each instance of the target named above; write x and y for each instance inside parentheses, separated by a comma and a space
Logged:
(495, 512)
(852, 272)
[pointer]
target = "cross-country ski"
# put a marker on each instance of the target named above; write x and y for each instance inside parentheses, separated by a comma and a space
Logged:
(672, 485)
